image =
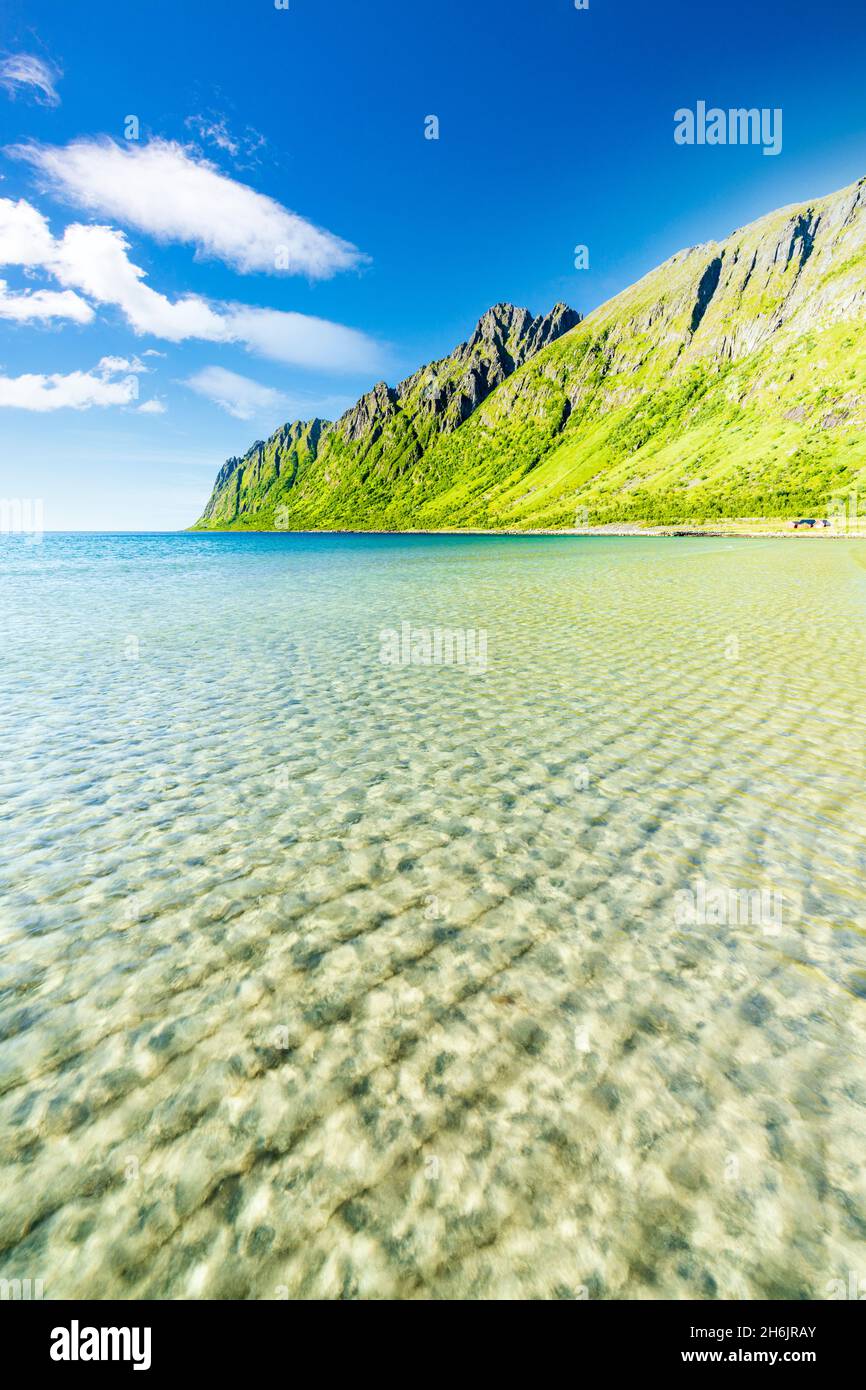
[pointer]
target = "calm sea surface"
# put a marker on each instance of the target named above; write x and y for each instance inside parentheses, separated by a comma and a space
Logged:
(540, 975)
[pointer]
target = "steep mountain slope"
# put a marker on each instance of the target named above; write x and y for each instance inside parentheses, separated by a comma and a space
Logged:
(374, 445)
(731, 381)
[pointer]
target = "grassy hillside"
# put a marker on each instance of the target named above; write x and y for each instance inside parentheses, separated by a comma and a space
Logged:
(730, 382)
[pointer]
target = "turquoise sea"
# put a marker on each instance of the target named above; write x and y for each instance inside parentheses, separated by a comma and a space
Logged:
(335, 965)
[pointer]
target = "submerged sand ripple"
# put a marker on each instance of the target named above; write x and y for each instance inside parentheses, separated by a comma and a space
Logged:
(325, 978)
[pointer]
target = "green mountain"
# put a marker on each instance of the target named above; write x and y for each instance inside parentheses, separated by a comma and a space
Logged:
(325, 474)
(728, 383)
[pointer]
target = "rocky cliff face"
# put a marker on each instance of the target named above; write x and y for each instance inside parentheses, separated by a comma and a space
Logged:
(269, 467)
(389, 427)
(729, 381)
(505, 337)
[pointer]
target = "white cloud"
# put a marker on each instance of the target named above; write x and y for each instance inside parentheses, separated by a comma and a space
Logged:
(43, 304)
(237, 394)
(95, 261)
(25, 237)
(301, 340)
(153, 407)
(162, 189)
(22, 72)
(246, 399)
(75, 390)
(114, 365)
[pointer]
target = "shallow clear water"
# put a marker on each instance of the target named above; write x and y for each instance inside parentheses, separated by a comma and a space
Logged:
(321, 976)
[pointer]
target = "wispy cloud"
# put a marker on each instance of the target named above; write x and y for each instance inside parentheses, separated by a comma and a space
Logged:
(73, 390)
(239, 395)
(161, 188)
(94, 261)
(122, 364)
(243, 147)
(23, 73)
(247, 399)
(301, 340)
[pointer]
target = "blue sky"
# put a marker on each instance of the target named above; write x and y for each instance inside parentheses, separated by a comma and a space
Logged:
(281, 169)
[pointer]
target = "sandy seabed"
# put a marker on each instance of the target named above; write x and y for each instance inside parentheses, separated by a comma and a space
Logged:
(321, 977)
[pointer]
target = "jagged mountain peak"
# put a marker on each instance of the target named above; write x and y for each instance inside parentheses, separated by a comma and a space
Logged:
(447, 391)
(505, 337)
(518, 332)
(501, 321)
(369, 413)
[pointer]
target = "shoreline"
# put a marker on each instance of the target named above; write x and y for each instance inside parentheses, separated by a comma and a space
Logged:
(733, 531)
